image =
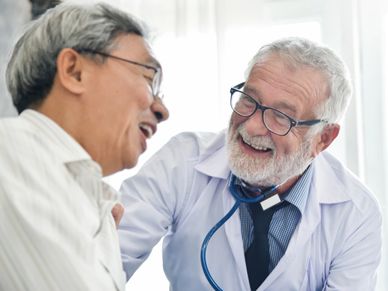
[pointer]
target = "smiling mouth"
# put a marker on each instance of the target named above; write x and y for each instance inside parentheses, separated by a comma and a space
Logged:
(146, 130)
(256, 147)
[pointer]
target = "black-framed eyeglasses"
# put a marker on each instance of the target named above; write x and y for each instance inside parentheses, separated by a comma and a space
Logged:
(274, 120)
(155, 81)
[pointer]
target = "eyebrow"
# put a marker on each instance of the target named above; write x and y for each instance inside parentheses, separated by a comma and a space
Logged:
(279, 105)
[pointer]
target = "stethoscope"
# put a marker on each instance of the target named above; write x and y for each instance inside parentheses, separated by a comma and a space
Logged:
(239, 199)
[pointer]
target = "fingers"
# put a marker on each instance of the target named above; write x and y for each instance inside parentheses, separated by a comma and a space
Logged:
(117, 213)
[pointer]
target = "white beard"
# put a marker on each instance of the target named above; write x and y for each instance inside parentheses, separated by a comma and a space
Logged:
(273, 171)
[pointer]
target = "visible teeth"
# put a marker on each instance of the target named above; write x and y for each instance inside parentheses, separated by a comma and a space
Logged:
(147, 130)
(257, 147)
(260, 143)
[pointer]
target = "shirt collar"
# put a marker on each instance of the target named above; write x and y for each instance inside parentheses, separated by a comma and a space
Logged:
(298, 194)
(67, 149)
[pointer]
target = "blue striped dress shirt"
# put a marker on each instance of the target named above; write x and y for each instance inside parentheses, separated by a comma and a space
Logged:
(284, 221)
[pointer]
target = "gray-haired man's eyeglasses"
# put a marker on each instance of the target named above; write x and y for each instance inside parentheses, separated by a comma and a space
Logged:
(156, 80)
(274, 120)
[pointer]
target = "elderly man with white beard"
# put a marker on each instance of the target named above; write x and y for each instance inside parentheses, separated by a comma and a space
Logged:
(261, 206)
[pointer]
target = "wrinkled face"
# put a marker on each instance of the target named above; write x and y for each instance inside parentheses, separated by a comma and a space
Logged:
(121, 112)
(255, 154)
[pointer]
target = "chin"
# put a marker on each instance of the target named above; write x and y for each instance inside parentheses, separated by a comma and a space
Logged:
(130, 164)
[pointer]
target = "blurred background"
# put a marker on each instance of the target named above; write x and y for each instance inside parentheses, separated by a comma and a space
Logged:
(204, 47)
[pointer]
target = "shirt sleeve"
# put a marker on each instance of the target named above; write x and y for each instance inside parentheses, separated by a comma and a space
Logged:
(354, 267)
(153, 201)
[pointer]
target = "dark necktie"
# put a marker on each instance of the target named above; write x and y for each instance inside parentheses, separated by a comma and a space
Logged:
(257, 255)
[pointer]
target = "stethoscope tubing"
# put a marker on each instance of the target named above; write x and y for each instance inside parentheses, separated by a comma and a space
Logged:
(239, 199)
(205, 242)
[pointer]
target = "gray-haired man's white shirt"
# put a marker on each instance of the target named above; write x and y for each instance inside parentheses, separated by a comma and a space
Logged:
(56, 227)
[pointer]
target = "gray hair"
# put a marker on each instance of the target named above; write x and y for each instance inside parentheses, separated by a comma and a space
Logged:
(32, 67)
(298, 51)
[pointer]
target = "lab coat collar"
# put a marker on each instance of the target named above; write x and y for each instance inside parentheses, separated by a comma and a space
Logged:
(213, 162)
(327, 182)
(213, 158)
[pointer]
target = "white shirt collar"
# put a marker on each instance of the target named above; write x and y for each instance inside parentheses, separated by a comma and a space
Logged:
(69, 150)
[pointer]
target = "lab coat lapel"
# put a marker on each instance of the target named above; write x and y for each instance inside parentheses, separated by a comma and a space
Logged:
(325, 188)
(234, 237)
(297, 244)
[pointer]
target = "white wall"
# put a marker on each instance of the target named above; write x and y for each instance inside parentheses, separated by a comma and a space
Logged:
(13, 15)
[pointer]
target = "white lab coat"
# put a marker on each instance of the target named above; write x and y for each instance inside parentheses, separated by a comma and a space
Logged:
(182, 192)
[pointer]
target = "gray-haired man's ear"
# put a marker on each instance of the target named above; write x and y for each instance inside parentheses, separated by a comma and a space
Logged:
(325, 138)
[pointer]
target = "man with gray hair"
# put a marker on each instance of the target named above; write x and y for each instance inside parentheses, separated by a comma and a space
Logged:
(260, 206)
(86, 85)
